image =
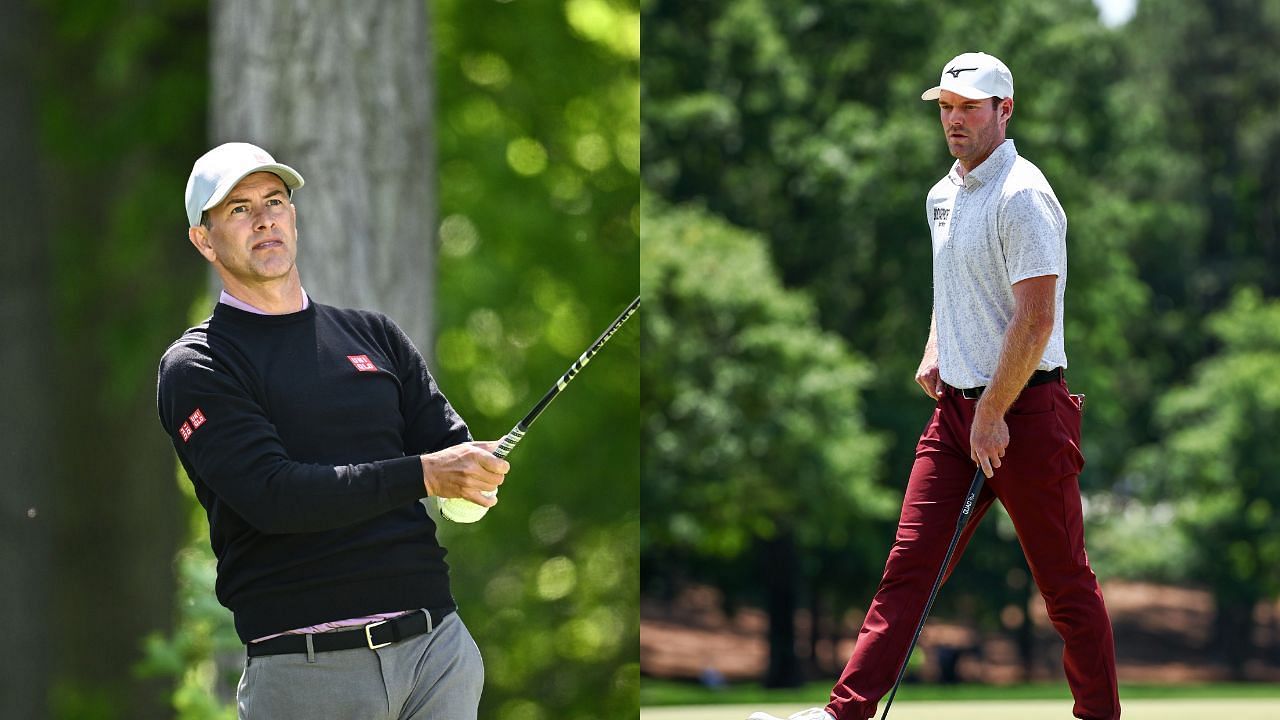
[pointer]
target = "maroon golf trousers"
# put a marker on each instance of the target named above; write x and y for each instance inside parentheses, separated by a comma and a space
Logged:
(1037, 484)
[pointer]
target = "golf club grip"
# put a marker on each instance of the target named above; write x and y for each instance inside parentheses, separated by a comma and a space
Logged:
(966, 512)
(509, 441)
(505, 446)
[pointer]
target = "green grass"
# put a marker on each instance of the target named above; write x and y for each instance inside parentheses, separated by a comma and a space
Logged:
(654, 693)
(1145, 709)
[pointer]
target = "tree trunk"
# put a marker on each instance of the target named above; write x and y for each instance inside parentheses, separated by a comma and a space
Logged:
(780, 573)
(1273, 647)
(89, 504)
(813, 663)
(1233, 632)
(1027, 629)
(27, 434)
(341, 91)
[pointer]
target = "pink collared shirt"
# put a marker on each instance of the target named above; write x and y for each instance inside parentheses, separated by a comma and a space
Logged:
(337, 625)
(227, 298)
(235, 302)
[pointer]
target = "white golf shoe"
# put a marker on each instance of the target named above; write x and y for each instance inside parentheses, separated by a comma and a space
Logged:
(814, 713)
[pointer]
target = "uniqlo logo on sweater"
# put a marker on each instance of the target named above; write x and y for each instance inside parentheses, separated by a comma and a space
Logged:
(362, 363)
(191, 424)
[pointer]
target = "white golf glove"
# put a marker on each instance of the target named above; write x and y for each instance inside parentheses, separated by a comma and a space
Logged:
(814, 713)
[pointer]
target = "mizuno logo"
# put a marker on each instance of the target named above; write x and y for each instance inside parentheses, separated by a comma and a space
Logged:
(955, 72)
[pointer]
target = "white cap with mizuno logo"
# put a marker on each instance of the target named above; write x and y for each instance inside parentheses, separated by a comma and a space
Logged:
(218, 171)
(975, 76)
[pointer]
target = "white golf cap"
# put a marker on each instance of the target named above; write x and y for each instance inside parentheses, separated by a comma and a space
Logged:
(218, 171)
(975, 76)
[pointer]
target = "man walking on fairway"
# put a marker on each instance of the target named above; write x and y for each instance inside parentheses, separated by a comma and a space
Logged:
(994, 363)
(310, 434)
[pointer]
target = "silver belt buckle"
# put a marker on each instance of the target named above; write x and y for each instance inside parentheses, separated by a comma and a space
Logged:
(369, 638)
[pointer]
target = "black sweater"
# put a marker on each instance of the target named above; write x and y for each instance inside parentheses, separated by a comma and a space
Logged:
(301, 434)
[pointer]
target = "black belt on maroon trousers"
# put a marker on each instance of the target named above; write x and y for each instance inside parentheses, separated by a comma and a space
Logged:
(373, 636)
(1038, 377)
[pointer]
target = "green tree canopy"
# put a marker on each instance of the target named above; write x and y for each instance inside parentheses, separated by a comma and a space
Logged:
(1215, 469)
(755, 443)
(752, 414)
(538, 135)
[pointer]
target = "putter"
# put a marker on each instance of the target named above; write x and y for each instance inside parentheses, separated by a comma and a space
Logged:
(966, 512)
(461, 510)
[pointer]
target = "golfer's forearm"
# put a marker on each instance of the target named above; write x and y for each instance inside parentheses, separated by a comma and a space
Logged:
(931, 345)
(1024, 345)
(291, 497)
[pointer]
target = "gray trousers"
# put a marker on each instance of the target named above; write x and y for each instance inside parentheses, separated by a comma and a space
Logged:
(433, 676)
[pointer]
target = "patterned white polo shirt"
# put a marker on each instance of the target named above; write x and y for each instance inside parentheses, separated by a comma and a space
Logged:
(996, 226)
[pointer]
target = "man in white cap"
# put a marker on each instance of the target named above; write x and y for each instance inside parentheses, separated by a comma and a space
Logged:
(310, 434)
(995, 363)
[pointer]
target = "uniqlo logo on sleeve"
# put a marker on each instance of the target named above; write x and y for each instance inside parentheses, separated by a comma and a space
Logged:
(362, 363)
(191, 424)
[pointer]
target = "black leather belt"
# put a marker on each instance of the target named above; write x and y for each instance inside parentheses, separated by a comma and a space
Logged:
(1038, 377)
(373, 636)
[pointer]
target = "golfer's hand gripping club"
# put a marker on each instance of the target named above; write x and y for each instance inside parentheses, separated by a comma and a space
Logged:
(461, 510)
(468, 470)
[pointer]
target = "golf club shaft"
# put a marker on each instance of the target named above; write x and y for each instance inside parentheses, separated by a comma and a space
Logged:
(516, 433)
(465, 511)
(966, 512)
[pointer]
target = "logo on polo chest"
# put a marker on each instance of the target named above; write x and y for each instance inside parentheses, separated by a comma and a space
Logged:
(363, 363)
(940, 216)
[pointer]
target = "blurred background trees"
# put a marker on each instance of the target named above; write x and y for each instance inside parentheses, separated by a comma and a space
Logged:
(26, 445)
(117, 102)
(800, 123)
(757, 455)
(539, 158)
(533, 225)
(1213, 476)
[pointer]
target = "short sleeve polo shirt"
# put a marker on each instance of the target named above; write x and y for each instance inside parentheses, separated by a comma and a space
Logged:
(994, 227)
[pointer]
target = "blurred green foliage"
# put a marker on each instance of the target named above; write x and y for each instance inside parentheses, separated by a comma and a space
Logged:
(118, 101)
(753, 414)
(120, 92)
(538, 112)
(755, 443)
(1213, 476)
(801, 121)
(203, 655)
